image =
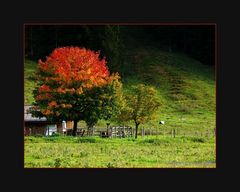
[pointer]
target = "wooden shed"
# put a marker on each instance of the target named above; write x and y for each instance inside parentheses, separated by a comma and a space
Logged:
(41, 126)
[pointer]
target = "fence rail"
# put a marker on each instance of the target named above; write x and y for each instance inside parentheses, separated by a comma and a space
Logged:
(113, 132)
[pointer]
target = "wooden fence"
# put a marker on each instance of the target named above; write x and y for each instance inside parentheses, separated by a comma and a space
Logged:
(126, 131)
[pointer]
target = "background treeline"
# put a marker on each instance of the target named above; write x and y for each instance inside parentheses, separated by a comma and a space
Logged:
(196, 41)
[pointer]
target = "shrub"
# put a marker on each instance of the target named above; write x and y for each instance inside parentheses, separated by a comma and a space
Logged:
(87, 140)
(197, 139)
(57, 162)
(154, 141)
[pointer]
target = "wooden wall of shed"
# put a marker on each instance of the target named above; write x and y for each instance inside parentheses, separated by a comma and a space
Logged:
(34, 129)
(59, 128)
(69, 124)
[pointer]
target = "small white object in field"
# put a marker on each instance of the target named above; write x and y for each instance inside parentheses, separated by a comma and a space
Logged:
(162, 122)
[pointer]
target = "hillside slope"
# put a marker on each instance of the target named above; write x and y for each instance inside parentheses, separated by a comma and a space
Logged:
(185, 87)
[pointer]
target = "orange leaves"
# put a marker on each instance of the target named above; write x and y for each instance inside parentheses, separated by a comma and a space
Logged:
(61, 90)
(44, 88)
(47, 112)
(66, 105)
(43, 96)
(52, 104)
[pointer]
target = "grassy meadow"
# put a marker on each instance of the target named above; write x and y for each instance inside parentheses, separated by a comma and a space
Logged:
(94, 152)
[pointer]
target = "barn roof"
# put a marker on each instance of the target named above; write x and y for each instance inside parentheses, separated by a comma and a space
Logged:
(28, 116)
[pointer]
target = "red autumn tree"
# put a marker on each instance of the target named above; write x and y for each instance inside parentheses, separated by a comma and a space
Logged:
(67, 81)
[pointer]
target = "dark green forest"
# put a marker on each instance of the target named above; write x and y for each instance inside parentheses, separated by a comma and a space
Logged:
(197, 41)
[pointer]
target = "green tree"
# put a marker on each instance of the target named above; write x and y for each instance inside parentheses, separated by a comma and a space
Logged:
(103, 103)
(141, 105)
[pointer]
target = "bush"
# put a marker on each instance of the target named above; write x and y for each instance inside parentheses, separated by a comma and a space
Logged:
(197, 139)
(57, 162)
(55, 135)
(87, 140)
(154, 141)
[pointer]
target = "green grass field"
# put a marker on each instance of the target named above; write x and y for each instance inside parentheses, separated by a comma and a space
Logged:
(95, 152)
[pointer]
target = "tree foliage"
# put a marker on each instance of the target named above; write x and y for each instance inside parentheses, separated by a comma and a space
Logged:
(75, 84)
(103, 102)
(113, 46)
(141, 105)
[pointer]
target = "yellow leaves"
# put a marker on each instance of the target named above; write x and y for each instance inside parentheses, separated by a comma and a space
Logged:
(101, 82)
(47, 112)
(87, 85)
(72, 90)
(88, 71)
(79, 91)
(66, 105)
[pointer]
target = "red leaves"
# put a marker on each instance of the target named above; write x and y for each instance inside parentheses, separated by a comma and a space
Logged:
(44, 88)
(52, 104)
(65, 75)
(76, 64)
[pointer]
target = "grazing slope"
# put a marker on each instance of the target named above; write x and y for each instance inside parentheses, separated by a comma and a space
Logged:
(185, 87)
(29, 81)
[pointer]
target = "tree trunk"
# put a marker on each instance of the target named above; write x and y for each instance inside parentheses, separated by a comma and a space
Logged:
(74, 128)
(136, 131)
(89, 130)
(31, 44)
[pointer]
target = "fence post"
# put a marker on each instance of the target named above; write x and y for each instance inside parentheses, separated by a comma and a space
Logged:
(174, 132)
